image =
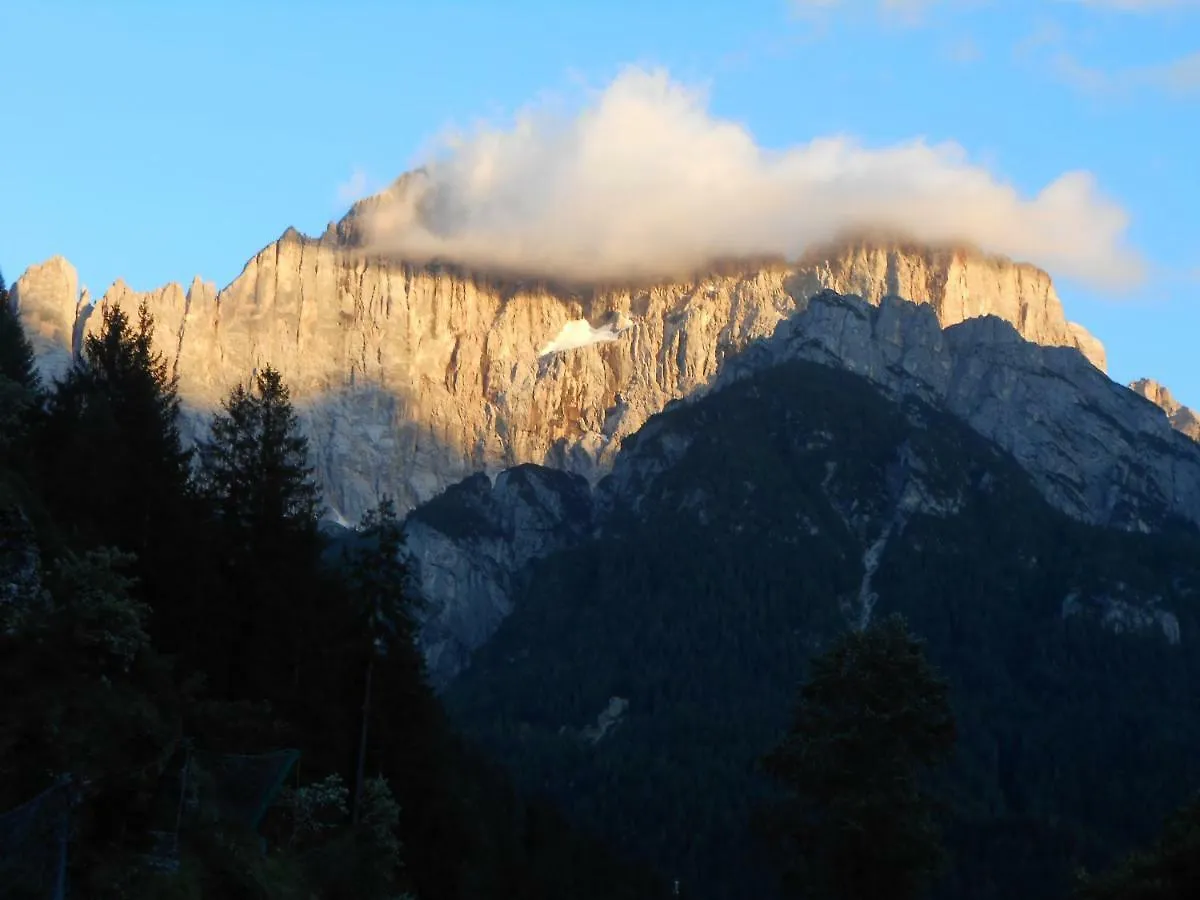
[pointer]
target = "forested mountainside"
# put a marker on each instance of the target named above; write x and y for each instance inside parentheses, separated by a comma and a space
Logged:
(204, 695)
(200, 697)
(1092, 448)
(649, 663)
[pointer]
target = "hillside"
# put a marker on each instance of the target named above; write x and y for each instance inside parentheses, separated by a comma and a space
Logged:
(644, 669)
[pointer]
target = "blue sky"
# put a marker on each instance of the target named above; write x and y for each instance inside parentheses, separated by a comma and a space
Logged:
(156, 141)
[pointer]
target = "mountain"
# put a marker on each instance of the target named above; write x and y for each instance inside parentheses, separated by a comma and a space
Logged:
(411, 378)
(1092, 449)
(637, 510)
(650, 655)
(1181, 417)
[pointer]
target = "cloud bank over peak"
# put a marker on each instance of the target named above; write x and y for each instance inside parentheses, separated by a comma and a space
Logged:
(644, 182)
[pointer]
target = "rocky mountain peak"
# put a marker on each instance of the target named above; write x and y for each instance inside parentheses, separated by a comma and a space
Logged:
(409, 378)
(1181, 417)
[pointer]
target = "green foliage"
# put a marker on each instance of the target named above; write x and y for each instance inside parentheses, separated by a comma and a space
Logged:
(93, 710)
(109, 466)
(82, 692)
(378, 578)
(255, 478)
(116, 409)
(744, 558)
(255, 467)
(362, 861)
(315, 808)
(16, 353)
(221, 617)
(20, 385)
(1167, 870)
(871, 718)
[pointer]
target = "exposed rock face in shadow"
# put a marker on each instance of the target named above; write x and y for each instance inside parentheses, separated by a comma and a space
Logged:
(468, 545)
(1092, 448)
(348, 332)
(20, 560)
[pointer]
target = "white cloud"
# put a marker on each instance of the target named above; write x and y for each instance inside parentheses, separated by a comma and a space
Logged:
(813, 7)
(904, 12)
(354, 188)
(1140, 6)
(1045, 33)
(1180, 76)
(644, 182)
(963, 50)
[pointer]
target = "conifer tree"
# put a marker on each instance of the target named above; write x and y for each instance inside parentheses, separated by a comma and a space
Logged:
(255, 476)
(857, 824)
(16, 353)
(20, 387)
(255, 470)
(116, 413)
(1169, 869)
(377, 579)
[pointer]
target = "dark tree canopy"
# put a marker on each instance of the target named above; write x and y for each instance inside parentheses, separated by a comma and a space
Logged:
(1167, 870)
(872, 717)
(20, 387)
(16, 352)
(378, 577)
(255, 466)
(255, 476)
(116, 412)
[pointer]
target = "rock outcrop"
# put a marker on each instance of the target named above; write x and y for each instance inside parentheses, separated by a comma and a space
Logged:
(1092, 448)
(409, 379)
(467, 545)
(20, 562)
(1095, 449)
(1181, 417)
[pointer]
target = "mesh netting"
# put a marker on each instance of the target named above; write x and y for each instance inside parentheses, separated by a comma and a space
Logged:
(231, 788)
(239, 789)
(33, 847)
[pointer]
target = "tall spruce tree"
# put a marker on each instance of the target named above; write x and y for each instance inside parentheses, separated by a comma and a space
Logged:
(111, 466)
(16, 353)
(1169, 869)
(255, 475)
(857, 823)
(111, 454)
(255, 469)
(377, 579)
(20, 387)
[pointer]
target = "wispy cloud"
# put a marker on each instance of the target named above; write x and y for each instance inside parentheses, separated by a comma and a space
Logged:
(1139, 6)
(645, 182)
(353, 188)
(1180, 77)
(900, 12)
(963, 50)
(1050, 43)
(1044, 33)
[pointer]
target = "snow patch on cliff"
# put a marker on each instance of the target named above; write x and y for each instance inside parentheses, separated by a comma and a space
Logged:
(580, 333)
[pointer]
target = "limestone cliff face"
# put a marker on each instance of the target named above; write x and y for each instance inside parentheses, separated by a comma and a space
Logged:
(409, 379)
(1181, 417)
(467, 547)
(1094, 449)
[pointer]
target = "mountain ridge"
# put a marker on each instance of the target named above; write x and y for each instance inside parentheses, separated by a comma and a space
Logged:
(736, 535)
(410, 378)
(1093, 449)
